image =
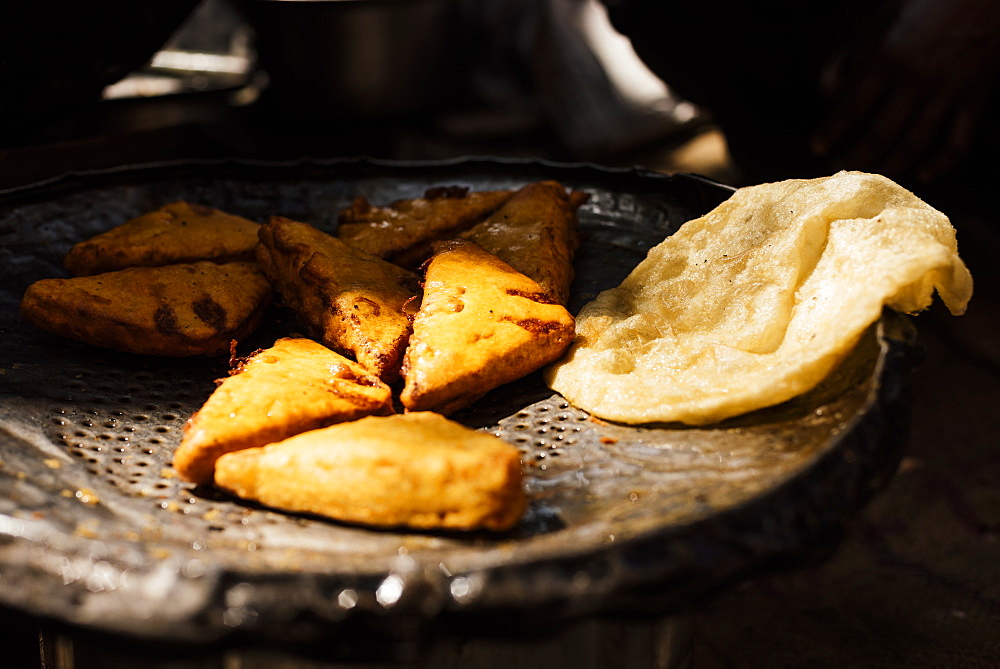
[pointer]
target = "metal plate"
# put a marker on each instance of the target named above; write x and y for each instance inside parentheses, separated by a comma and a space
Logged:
(96, 529)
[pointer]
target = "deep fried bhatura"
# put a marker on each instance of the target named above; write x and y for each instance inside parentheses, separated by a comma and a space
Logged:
(757, 301)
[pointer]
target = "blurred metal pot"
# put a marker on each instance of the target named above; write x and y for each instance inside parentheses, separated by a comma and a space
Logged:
(56, 58)
(354, 57)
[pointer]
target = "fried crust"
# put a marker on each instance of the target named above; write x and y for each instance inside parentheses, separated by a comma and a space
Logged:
(178, 310)
(352, 301)
(402, 232)
(481, 324)
(417, 470)
(294, 386)
(179, 232)
(535, 232)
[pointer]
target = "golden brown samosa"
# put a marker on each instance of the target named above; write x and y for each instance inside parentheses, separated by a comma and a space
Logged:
(353, 302)
(179, 232)
(403, 231)
(535, 232)
(294, 386)
(418, 470)
(178, 310)
(481, 324)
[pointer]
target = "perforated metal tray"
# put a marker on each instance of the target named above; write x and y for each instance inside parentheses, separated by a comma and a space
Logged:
(97, 531)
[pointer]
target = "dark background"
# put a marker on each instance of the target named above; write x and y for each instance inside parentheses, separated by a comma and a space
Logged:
(916, 581)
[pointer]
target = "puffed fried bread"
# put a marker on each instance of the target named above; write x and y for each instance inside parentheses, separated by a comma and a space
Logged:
(294, 386)
(481, 324)
(181, 310)
(179, 232)
(535, 232)
(757, 301)
(418, 470)
(353, 302)
(403, 231)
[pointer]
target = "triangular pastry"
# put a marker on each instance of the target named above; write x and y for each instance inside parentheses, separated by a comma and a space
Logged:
(535, 232)
(178, 310)
(481, 324)
(294, 386)
(353, 301)
(418, 470)
(179, 232)
(402, 232)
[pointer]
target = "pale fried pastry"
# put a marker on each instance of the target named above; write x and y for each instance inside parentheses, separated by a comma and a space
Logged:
(179, 232)
(402, 232)
(481, 324)
(175, 310)
(419, 470)
(294, 386)
(757, 301)
(535, 232)
(353, 301)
